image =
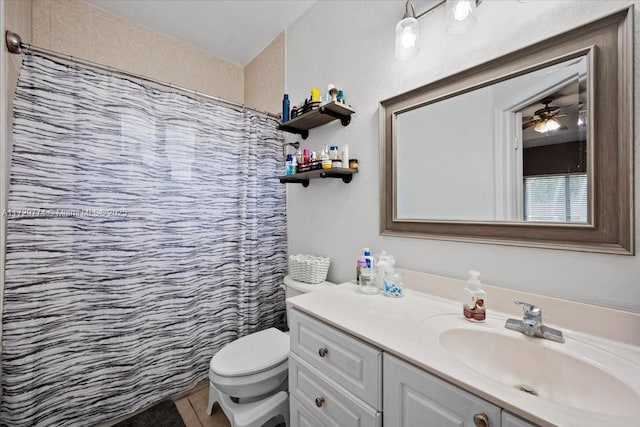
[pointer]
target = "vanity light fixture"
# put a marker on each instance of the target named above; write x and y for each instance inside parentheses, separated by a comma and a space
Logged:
(460, 17)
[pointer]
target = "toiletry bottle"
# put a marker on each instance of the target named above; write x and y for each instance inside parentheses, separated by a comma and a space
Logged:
(367, 257)
(345, 156)
(474, 304)
(383, 263)
(340, 97)
(287, 170)
(362, 263)
(326, 161)
(334, 94)
(285, 108)
(315, 96)
(294, 165)
(329, 87)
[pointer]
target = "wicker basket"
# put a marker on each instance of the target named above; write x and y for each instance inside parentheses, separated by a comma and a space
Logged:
(308, 268)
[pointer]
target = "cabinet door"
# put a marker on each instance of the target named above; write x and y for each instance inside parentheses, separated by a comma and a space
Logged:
(414, 398)
(353, 364)
(510, 420)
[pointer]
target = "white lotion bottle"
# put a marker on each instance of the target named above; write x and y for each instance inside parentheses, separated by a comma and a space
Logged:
(474, 303)
(345, 156)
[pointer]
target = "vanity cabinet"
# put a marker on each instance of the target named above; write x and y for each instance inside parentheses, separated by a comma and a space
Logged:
(412, 397)
(510, 420)
(334, 378)
(337, 380)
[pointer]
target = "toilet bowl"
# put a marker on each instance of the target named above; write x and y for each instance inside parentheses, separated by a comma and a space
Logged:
(248, 377)
(251, 366)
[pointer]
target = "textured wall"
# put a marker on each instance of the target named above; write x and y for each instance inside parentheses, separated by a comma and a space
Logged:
(15, 16)
(351, 44)
(81, 29)
(264, 78)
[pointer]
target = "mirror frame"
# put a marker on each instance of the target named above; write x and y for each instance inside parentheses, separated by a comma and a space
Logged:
(608, 44)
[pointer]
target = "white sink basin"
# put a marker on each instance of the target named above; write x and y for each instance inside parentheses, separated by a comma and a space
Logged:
(574, 374)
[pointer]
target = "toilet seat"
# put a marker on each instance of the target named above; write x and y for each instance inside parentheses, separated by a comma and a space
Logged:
(251, 354)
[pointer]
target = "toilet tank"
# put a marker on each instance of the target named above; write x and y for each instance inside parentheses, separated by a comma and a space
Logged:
(294, 288)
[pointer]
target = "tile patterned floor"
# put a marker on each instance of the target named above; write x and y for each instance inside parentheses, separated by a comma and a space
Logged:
(193, 409)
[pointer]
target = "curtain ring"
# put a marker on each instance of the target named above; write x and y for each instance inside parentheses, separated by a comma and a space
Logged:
(72, 61)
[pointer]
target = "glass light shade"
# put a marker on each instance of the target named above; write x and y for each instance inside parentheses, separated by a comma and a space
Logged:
(460, 16)
(407, 39)
(548, 125)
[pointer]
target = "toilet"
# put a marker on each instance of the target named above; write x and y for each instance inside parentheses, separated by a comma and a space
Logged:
(248, 377)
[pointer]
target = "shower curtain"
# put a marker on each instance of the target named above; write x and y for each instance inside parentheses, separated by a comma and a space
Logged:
(145, 230)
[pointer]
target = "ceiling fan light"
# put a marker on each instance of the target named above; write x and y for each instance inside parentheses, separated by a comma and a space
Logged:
(460, 16)
(547, 125)
(407, 38)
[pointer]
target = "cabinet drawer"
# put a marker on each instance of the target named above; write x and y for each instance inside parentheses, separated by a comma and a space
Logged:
(413, 397)
(348, 361)
(510, 420)
(325, 400)
(301, 416)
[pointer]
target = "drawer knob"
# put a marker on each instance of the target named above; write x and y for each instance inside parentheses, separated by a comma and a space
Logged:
(319, 401)
(323, 352)
(481, 420)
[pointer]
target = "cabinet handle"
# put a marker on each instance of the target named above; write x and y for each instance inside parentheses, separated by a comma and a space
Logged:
(319, 401)
(323, 352)
(481, 420)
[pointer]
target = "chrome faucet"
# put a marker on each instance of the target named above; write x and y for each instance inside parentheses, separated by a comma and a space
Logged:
(531, 324)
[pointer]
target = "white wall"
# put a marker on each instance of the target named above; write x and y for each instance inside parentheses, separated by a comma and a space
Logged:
(351, 44)
(430, 140)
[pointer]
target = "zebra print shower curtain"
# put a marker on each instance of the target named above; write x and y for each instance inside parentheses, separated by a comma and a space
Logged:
(144, 231)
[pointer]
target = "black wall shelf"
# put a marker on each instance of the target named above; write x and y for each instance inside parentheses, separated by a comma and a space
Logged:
(303, 178)
(318, 117)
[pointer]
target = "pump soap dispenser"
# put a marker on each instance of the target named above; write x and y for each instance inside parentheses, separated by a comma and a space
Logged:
(475, 299)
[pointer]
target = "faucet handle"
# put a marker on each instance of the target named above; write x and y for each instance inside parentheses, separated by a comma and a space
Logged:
(530, 310)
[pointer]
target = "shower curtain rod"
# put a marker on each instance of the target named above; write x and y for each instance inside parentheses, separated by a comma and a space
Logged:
(16, 45)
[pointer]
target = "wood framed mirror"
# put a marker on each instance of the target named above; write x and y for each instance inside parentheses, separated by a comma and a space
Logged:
(531, 149)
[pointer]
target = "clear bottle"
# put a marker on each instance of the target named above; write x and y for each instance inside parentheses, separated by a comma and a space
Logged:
(474, 303)
(326, 161)
(367, 281)
(333, 152)
(383, 262)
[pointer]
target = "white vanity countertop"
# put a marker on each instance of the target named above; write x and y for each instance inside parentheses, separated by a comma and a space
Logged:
(396, 326)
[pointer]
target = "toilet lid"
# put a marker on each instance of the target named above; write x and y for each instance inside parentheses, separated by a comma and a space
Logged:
(252, 353)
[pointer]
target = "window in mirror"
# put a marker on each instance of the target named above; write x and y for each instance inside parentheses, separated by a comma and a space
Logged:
(556, 198)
